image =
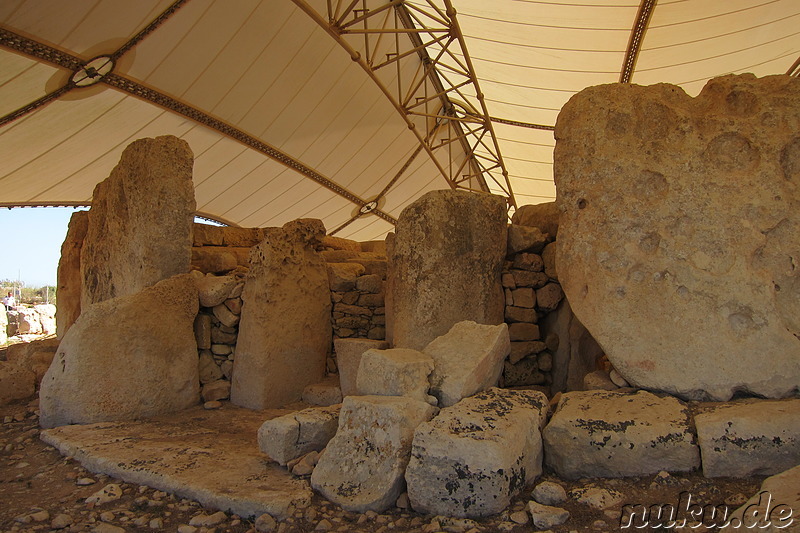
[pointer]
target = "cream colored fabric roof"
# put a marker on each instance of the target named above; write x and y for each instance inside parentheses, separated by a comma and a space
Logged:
(314, 108)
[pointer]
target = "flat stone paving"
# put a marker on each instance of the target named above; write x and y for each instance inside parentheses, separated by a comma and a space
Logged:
(210, 456)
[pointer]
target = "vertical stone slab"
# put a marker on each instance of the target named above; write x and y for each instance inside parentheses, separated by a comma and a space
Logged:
(285, 329)
(140, 224)
(680, 232)
(444, 265)
(128, 357)
(69, 273)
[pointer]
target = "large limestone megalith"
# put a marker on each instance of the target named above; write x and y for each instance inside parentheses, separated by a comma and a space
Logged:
(128, 357)
(444, 266)
(140, 223)
(285, 330)
(679, 233)
(69, 273)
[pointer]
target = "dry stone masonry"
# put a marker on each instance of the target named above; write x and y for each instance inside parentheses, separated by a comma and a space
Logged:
(680, 232)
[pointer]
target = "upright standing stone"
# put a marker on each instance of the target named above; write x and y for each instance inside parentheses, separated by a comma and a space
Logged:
(680, 231)
(128, 357)
(445, 265)
(140, 224)
(69, 273)
(285, 329)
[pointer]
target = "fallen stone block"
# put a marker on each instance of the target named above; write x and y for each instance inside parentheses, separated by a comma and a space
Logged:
(324, 393)
(618, 434)
(288, 437)
(467, 359)
(752, 438)
(474, 457)
(348, 358)
(362, 467)
(395, 372)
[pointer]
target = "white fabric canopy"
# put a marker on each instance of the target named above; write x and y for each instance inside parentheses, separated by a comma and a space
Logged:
(292, 114)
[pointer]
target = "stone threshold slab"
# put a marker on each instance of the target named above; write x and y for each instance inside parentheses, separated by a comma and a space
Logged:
(209, 456)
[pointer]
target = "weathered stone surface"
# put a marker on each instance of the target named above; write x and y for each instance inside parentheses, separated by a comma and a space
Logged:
(549, 296)
(468, 359)
(446, 259)
(16, 382)
(140, 224)
(774, 509)
(202, 331)
(326, 392)
(575, 352)
(207, 369)
(291, 436)
(543, 216)
(47, 317)
(282, 344)
(214, 290)
(524, 297)
(362, 467)
(69, 273)
(750, 438)
(394, 372)
(216, 390)
(706, 248)
(545, 516)
(217, 462)
(525, 239)
(35, 356)
(614, 434)
(522, 331)
(342, 276)
(3, 325)
(473, 457)
(533, 262)
(549, 259)
(549, 493)
(28, 321)
(371, 283)
(123, 374)
(214, 260)
(348, 359)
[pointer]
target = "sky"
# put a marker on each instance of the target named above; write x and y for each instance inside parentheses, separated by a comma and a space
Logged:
(31, 243)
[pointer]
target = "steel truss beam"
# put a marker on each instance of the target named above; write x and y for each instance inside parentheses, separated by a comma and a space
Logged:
(59, 58)
(415, 53)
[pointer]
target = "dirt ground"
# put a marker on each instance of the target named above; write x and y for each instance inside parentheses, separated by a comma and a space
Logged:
(37, 485)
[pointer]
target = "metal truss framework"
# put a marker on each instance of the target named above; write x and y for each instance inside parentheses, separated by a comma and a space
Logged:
(415, 53)
(100, 70)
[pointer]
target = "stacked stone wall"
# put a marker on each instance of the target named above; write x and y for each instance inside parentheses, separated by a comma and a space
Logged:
(532, 291)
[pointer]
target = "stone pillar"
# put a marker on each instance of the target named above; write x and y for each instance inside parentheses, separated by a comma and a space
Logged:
(285, 329)
(679, 232)
(140, 224)
(444, 265)
(69, 273)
